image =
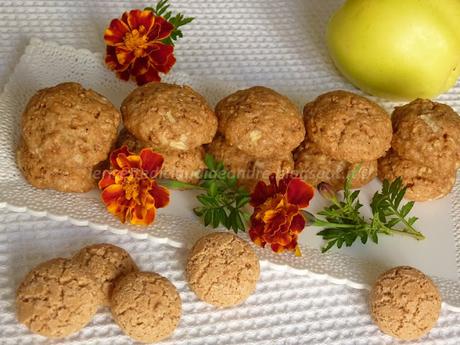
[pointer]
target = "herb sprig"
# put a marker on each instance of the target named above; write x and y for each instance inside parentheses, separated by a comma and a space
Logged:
(177, 20)
(344, 223)
(223, 201)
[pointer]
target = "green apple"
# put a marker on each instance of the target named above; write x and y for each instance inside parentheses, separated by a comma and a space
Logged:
(400, 49)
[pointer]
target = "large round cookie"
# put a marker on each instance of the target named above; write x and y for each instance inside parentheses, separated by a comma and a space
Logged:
(169, 116)
(69, 126)
(249, 170)
(45, 175)
(260, 122)
(222, 269)
(405, 303)
(313, 166)
(423, 183)
(184, 166)
(146, 306)
(348, 127)
(106, 263)
(428, 133)
(56, 298)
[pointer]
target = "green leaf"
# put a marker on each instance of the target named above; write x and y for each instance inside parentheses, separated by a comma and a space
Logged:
(406, 208)
(209, 161)
(242, 200)
(207, 217)
(328, 246)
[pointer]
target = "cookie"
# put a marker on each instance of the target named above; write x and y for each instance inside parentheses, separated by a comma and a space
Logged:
(169, 116)
(427, 133)
(249, 170)
(69, 126)
(57, 298)
(348, 127)
(222, 269)
(146, 306)
(260, 122)
(106, 263)
(405, 303)
(423, 183)
(44, 175)
(313, 166)
(184, 166)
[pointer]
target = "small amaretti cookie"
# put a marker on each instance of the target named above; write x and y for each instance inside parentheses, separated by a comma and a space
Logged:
(423, 183)
(260, 122)
(146, 306)
(179, 165)
(169, 116)
(248, 169)
(222, 269)
(348, 127)
(427, 133)
(405, 303)
(312, 165)
(106, 263)
(57, 298)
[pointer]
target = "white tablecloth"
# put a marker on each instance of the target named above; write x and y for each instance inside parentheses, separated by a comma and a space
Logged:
(257, 42)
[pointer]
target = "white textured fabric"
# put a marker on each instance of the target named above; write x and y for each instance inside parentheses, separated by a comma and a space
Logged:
(257, 41)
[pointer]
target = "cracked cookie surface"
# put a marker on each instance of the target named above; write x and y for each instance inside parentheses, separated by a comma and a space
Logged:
(405, 303)
(169, 116)
(348, 127)
(106, 263)
(146, 306)
(423, 183)
(313, 166)
(222, 269)
(427, 133)
(56, 298)
(260, 122)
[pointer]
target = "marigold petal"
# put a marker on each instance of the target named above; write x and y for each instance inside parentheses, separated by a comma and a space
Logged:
(124, 75)
(277, 248)
(140, 20)
(128, 162)
(259, 194)
(140, 66)
(297, 224)
(161, 29)
(115, 33)
(160, 194)
(299, 193)
(124, 55)
(150, 76)
(114, 155)
(151, 162)
(161, 56)
(106, 180)
(112, 193)
(142, 216)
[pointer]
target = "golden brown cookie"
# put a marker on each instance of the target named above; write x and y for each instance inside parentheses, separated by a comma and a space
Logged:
(106, 263)
(57, 298)
(315, 167)
(405, 303)
(184, 166)
(169, 116)
(260, 122)
(423, 183)
(69, 126)
(427, 133)
(146, 306)
(348, 127)
(45, 175)
(249, 169)
(222, 269)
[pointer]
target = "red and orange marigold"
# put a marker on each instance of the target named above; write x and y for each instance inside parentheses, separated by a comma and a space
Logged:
(277, 219)
(136, 46)
(130, 190)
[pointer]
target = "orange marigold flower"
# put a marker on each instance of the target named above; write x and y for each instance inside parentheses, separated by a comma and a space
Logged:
(135, 46)
(277, 219)
(130, 190)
